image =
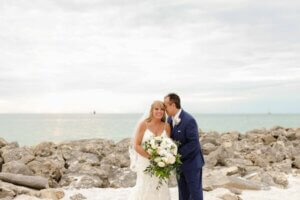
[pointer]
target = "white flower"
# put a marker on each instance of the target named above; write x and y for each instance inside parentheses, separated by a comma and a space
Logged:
(174, 149)
(176, 120)
(161, 164)
(153, 144)
(150, 151)
(157, 160)
(165, 159)
(171, 159)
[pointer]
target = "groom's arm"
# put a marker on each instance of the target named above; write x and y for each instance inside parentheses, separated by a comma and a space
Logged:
(192, 138)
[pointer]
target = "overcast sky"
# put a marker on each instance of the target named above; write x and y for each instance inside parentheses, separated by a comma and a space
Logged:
(75, 56)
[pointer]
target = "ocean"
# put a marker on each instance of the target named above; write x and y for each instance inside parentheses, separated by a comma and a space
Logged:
(31, 129)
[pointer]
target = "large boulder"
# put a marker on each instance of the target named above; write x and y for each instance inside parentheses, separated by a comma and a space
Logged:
(22, 154)
(122, 177)
(212, 137)
(80, 181)
(45, 149)
(16, 167)
(207, 148)
(221, 181)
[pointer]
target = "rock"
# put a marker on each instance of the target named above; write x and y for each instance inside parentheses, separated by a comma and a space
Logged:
(2, 142)
(232, 170)
(280, 179)
(116, 159)
(263, 177)
(229, 196)
(19, 190)
(257, 160)
(207, 148)
(123, 145)
(16, 167)
(230, 136)
(22, 154)
(221, 155)
(236, 191)
(6, 193)
(77, 197)
(53, 194)
(268, 139)
(275, 128)
(296, 162)
(284, 166)
(122, 177)
(45, 149)
(291, 134)
(210, 137)
(297, 135)
(35, 182)
(1, 163)
(80, 181)
(213, 182)
(47, 168)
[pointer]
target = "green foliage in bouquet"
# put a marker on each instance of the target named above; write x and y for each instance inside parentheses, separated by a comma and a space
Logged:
(164, 158)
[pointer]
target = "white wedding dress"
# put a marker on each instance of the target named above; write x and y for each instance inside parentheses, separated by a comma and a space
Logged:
(145, 188)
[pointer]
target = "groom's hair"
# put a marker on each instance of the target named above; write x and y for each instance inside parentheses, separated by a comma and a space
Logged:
(174, 98)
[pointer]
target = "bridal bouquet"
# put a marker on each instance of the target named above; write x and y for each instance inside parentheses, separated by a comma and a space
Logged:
(163, 158)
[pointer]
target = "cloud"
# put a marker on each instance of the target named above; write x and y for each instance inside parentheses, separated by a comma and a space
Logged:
(58, 54)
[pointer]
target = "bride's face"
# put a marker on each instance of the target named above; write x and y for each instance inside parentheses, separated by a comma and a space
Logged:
(158, 112)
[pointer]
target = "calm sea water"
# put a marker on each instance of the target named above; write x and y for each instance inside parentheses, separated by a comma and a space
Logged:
(31, 129)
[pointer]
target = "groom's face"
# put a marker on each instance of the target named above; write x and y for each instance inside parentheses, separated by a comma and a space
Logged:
(170, 107)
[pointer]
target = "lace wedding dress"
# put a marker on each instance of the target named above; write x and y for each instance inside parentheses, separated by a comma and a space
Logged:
(145, 188)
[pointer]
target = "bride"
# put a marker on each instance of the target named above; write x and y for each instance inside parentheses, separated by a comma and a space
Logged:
(154, 125)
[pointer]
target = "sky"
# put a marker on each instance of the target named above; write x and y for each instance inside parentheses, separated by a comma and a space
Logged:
(118, 56)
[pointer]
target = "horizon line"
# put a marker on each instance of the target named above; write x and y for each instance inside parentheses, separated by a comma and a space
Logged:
(221, 113)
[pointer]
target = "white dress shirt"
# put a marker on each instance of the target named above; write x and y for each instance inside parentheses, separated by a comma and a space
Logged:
(176, 119)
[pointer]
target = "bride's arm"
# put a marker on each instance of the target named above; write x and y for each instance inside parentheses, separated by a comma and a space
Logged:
(138, 140)
(168, 129)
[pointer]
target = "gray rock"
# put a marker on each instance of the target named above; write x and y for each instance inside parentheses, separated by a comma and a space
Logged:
(77, 196)
(16, 167)
(2, 142)
(122, 177)
(80, 181)
(268, 139)
(22, 154)
(296, 162)
(6, 193)
(207, 148)
(45, 149)
(213, 182)
(229, 196)
(53, 194)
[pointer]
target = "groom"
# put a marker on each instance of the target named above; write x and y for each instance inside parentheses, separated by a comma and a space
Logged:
(184, 129)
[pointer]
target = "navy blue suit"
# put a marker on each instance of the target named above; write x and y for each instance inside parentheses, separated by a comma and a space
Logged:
(190, 181)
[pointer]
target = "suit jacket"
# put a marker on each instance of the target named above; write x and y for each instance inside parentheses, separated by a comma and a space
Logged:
(186, 132)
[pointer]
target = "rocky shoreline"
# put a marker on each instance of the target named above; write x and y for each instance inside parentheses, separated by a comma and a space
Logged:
(254, 160)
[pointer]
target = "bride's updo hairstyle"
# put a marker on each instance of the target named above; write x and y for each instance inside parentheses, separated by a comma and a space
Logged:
(154, 104)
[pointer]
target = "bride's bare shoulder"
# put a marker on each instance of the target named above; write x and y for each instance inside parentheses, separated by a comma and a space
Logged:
(143, 125)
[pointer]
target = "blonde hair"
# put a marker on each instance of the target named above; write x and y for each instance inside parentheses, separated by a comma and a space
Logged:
(161, 104)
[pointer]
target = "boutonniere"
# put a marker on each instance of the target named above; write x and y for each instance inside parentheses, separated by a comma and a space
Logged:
(177, 121)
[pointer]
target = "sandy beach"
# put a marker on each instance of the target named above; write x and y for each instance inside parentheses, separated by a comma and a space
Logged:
(291, 193)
